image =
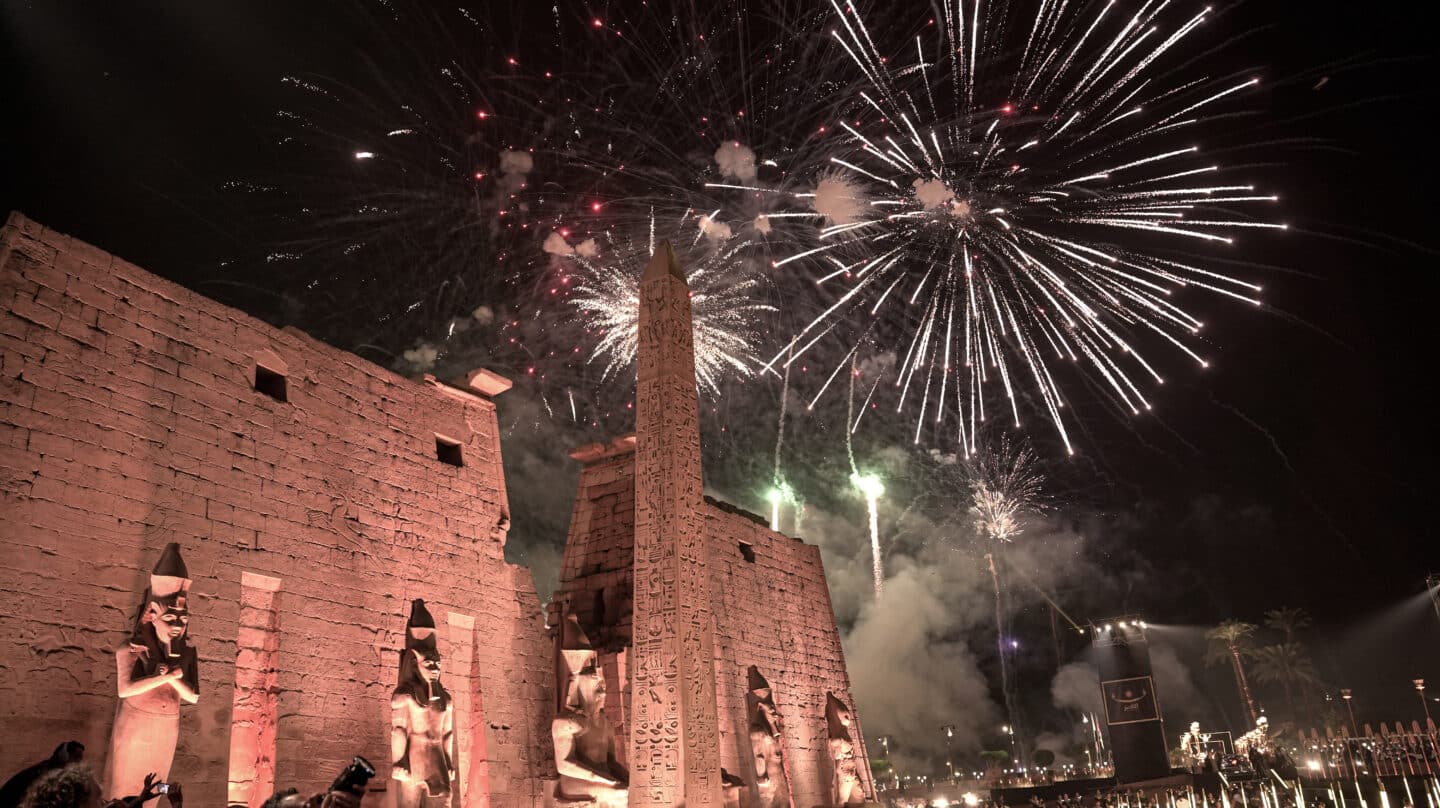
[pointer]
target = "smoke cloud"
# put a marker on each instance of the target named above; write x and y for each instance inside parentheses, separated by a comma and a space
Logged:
(714, 230)
(1076, 686)
(514, 168)
(838, 200)
(555, 244)
(932, 193)
(910, 665)
(736, 161)
(421, 358)
(923, 653)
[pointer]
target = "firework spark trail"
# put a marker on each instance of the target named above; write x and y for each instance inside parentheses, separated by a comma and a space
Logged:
(1004, 485)
(1007, 689)
(872, 488)
(780, 424)
(1036, 217)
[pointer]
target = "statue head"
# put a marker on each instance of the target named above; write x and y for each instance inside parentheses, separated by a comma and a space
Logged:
(837, 716)
(757, 684)
(164, 616)
(1194, 727)
(168, 618)
(763, 713)
(420, 660)
(429, 666)
(590, 689)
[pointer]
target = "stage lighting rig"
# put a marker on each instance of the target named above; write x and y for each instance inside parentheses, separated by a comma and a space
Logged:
(1117, 631)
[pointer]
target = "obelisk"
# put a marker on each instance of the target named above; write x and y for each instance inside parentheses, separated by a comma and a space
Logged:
(674, 737)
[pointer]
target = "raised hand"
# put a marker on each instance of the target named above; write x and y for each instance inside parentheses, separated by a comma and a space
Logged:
(148, 792)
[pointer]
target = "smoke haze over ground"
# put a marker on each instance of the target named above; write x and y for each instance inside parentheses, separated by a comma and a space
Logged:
(923, 654)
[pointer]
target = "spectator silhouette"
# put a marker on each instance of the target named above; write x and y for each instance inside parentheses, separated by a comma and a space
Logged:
(71, 787)
(13, 792)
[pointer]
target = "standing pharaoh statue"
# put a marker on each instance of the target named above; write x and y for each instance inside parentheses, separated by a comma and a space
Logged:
(765, 743)
(422, 723)
(584, 742)
(848, 788)
(156, 671)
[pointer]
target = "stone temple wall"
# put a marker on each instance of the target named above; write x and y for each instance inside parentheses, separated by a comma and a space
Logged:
(772, 608)
(129, 418)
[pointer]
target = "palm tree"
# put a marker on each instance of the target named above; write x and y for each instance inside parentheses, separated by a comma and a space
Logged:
(1288, 620)
(1287, 665)
(1231, 641)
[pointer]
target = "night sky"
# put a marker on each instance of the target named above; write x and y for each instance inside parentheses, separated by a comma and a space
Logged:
(1298, 470)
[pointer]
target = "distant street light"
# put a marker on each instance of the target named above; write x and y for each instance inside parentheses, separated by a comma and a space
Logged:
(1346, 695)
(1420, 690)
(949, 730)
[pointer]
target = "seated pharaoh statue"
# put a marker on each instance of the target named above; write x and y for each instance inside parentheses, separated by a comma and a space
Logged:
(584, 741)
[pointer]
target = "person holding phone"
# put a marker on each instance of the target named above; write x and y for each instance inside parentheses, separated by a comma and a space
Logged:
(75, 786)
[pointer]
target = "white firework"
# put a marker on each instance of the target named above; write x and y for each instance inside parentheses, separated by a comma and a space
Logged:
(724, 305)
(1027, 191)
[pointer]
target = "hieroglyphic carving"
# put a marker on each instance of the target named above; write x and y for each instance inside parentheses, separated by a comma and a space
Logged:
(674, 739)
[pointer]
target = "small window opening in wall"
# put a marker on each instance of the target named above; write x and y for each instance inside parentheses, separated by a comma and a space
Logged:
(748, 552)
(270, 383)
(448, 451)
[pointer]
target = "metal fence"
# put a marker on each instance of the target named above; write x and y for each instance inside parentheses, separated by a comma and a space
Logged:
(1401, 751)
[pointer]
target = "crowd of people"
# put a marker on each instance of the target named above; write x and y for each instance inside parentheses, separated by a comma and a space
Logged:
(1256, 794)
(64, 780)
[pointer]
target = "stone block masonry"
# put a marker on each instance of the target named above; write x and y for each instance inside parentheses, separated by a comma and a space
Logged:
(771, 607)
(314, 495)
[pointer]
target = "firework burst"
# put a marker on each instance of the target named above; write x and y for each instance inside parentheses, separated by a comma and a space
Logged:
(1018, 202)
(1004, 485)
(724, 301)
